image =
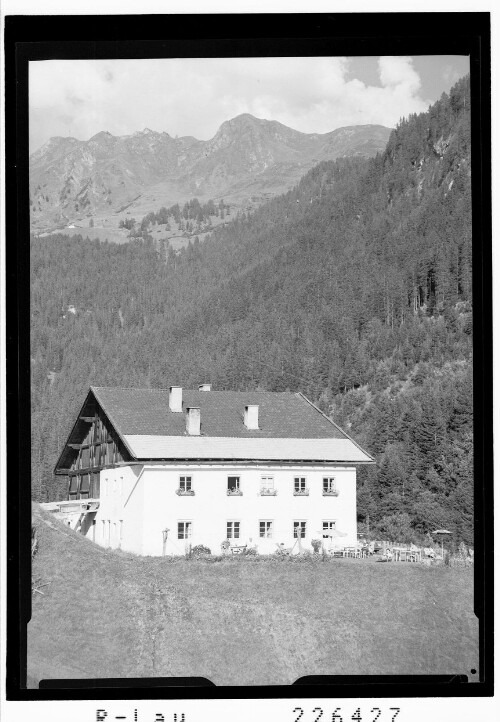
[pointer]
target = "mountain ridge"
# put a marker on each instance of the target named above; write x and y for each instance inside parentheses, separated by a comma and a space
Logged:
(75, 180)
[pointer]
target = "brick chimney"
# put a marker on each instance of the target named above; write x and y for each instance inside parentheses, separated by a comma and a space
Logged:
(175, 399)
(193, 421)
(251, 417)
(205, 387)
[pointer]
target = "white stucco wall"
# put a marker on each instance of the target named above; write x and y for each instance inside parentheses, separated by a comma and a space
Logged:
(146, 504)
(120, 514)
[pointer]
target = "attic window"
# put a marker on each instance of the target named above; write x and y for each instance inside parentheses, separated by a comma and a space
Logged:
(193, 421)
(251, 417)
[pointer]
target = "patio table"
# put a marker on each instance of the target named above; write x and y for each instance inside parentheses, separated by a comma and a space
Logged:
(404, 554)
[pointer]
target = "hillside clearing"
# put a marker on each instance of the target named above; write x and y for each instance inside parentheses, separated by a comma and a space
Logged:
(241, 622)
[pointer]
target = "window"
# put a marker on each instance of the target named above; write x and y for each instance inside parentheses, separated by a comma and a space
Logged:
(121, 485)
(233, 483)
(85, 485)
(233, 530)
(85, 458)
(73, 485)
(328, 527)
(185, 483)
(114, 485)
(329, 485)
(266, 529)
(94, 486)
(299, 484)
(267, 483)
(103, 538)
(299, 529)
(184, 529)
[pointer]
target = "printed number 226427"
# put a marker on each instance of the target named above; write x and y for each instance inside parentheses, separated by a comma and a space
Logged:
(375, 714)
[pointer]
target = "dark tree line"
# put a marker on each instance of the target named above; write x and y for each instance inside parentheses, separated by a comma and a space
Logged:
(193, 215)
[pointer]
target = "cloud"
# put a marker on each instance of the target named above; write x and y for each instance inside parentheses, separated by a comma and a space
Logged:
(75, 100)
(194, 96)
(398, 71)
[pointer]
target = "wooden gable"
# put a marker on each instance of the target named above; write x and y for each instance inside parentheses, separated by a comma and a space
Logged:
(92, 445)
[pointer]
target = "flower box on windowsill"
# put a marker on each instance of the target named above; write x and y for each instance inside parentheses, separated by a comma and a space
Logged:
(183, 492)
(268, 492)
(234, 492)
(334, 492)
(304, 492)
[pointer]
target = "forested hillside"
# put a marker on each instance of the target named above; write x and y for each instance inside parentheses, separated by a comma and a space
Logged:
(354, 288)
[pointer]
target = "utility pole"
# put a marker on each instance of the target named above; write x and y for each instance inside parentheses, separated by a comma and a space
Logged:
(165, 537)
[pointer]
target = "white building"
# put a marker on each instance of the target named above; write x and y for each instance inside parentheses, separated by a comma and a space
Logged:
(153, 471)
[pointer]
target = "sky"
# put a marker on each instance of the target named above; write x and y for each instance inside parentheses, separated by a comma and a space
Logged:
(193, 96)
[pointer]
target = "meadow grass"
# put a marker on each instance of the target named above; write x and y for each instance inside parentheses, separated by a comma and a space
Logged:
(241, 621)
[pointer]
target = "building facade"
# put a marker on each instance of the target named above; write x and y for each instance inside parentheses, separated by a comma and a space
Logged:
(158, 471)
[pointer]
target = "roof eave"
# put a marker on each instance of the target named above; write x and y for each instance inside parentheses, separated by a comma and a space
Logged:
(56, 472)
(229, 460)
(372, 460)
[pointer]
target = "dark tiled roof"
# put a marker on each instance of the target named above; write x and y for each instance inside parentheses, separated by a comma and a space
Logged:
(281, 415)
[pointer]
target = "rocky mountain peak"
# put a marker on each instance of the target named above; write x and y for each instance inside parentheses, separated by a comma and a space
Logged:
(72, 180)
(102, 135)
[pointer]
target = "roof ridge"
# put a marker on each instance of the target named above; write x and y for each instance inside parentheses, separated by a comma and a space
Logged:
(212, 391)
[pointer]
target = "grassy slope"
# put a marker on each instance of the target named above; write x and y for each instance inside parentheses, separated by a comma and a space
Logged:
(111, 614)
